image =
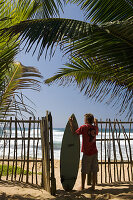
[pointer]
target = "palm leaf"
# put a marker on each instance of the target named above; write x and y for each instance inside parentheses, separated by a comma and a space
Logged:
(17, 77)
(47, 32)
(96, 82)
(49, 8)
(111, 41)
(101, 11)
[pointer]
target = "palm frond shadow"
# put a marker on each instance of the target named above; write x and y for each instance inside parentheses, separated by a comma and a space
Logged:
(106, 191)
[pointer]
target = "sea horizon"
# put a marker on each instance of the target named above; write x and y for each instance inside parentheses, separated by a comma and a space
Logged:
(57, 141)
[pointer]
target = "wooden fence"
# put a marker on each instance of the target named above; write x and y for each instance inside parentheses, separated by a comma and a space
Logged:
(115, 151)
(26, 151)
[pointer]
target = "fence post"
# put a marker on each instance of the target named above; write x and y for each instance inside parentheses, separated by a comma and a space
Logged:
(45, 160)
(43, 153)
(47, 151)
(53, 180)
(28, 151)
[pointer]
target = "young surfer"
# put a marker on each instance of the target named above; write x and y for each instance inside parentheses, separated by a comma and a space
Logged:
(89, 149)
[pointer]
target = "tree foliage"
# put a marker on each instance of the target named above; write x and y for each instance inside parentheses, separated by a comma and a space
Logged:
(101, 50)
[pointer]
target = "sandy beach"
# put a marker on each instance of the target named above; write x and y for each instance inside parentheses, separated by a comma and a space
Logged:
(16, 190)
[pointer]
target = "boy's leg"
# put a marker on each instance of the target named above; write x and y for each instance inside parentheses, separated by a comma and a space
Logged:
(95, 170)
(83, 177)
(94, 180)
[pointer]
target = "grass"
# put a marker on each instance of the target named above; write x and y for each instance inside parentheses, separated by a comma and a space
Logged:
(18, 171)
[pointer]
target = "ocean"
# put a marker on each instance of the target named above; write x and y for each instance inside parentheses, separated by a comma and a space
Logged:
(57, 140)
(58, 135)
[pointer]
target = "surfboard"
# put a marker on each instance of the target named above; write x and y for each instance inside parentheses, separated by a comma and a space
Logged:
(69, 156)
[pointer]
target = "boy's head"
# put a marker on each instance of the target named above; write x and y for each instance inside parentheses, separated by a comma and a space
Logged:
(89, 118)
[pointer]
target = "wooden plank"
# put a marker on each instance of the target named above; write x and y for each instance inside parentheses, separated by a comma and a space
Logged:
(24, 152)
(33, 152)
(20, 121)
(121, 139)
(118, 178)
(121, 122)
(112, 131)
(47, 163)
(3, 153)
(9, 148)
(53, 180)
(21, 171)
(101, 154)
(28, 151)
(118, 162)
(44, 171)
(15, 148)
(120, 152)
(109, 155)
(130, 152)
(14, 159)
(39, 138)
(124, 133)
(105, 155)
(36, 121)
(108, 160)
(38, 128)
(26, 138)
(40, 160)
(20, 160)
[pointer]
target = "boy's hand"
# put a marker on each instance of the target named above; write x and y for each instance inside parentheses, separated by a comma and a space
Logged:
(95, 122)
(72, 125)
(71, 121)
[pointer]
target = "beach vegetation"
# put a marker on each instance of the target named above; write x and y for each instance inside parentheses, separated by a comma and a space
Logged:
(4, 169)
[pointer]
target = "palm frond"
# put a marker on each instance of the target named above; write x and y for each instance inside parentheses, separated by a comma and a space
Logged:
(47, 33)
(101, 11)
(49, 8)
(95, 81)
(17, 77)
(111, 41)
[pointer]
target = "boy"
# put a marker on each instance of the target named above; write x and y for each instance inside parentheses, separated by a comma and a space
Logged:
(89, 160)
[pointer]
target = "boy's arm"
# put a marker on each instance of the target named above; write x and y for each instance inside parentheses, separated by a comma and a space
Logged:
(96, 122)
(73, 129)
(96, 125)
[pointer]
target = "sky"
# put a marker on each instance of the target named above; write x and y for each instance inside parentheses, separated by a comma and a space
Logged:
(63, 101)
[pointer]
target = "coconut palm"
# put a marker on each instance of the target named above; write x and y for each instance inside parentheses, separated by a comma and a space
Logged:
(13, 75)
(101, 50)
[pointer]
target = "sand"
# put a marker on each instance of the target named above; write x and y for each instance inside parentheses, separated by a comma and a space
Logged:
(16, 190)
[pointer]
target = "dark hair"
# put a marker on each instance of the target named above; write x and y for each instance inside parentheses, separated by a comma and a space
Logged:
(90, 118)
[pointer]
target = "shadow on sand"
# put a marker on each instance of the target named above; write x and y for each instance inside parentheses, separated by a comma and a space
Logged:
(9, 184)
(102, 192)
